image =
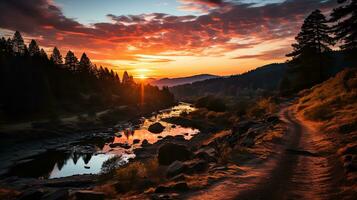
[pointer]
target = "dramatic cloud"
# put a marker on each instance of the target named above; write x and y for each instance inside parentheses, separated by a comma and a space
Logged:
(226, 27)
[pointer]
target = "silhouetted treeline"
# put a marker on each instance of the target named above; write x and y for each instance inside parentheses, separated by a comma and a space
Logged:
(312, 57)
(31, 83)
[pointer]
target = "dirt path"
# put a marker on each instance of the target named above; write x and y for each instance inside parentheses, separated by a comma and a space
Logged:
(300, 168)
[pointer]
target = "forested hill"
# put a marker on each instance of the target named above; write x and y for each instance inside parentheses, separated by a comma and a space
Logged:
(267, 77)
(35, 85)
(171, 82)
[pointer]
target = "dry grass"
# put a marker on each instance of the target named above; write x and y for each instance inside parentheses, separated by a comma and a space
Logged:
(334, 105)
(331, 99)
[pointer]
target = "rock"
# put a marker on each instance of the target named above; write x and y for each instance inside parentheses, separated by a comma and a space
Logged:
(87, 167)
(175, 168)
(89, 195)
(124, 146)
(178, 187)
(162, 189)
(156, 127)
(144, 143)
(198, 166)
(173, 126)
(180, 177)
(61, 194)
(186, 134)
(272, 119)
(161, 197)
(160, 137)
(170, 152)
(242, 127)
(31, 195)
(136, 141)
(205, 156)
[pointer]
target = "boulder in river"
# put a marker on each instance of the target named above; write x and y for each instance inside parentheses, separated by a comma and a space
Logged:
(144, 143)
(156, 127)
(136, 141)
(170, 152)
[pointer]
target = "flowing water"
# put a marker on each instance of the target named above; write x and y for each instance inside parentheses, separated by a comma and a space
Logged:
(89, 155)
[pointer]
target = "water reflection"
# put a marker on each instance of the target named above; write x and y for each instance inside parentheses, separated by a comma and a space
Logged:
(88, 156)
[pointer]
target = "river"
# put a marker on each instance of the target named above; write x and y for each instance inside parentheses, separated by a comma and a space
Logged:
(87, 156)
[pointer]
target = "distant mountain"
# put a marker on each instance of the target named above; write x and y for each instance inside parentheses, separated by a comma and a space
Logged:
(265, 78)
(171, 82)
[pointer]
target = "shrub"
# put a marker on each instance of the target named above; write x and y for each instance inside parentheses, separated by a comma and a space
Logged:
(211, 103)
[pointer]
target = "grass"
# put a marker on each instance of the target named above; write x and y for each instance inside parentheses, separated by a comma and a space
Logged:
(325, 101)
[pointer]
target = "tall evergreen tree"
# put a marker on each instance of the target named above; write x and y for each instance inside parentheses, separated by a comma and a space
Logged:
(126, 78)
(43, 53)
(56, 56)
(310, 53)
(313, 37)
(34, 50)
(18, 44)
(345, 28)
(71, 61)
(85, 64)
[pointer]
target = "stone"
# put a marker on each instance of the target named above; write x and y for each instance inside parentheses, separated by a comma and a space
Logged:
(156, 128)
(136, 141)
(144, 143)
(180, 186)
(170, 152)
(175, 168)
(31, 195)
(61, 194)
(89, 195)
(198, 166)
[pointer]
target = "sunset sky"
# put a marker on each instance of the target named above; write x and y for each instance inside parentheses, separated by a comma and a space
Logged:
(164, 38)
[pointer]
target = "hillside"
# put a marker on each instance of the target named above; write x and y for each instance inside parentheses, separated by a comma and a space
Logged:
(171, 82)
(267, 77)
(334, 114)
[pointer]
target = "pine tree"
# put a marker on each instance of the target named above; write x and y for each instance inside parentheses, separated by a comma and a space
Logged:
(34, 50)
(345, 28)
(310, 53)
(43, 54)
(56, 57)
(71, 61)
(85, 64)
(18, 44)
(126, 78)
(313, 37)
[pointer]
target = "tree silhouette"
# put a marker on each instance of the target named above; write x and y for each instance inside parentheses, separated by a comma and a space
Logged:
(310, 50)
(56, 57)
(313, 37)
(36, 86)
(43, 54)
(18, 44)
(71, 61)
(34, 50)
(345, 28)
(126, 78)
(85, 64)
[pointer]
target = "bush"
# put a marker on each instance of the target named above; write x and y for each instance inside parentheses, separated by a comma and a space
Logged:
(211, 103)
(262, 107)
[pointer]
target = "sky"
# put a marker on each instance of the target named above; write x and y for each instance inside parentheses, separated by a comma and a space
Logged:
(164, 38)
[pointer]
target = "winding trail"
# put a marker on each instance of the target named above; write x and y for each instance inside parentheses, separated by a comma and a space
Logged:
(302, 167)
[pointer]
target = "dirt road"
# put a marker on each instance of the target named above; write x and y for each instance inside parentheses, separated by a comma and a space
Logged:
(302, 167)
